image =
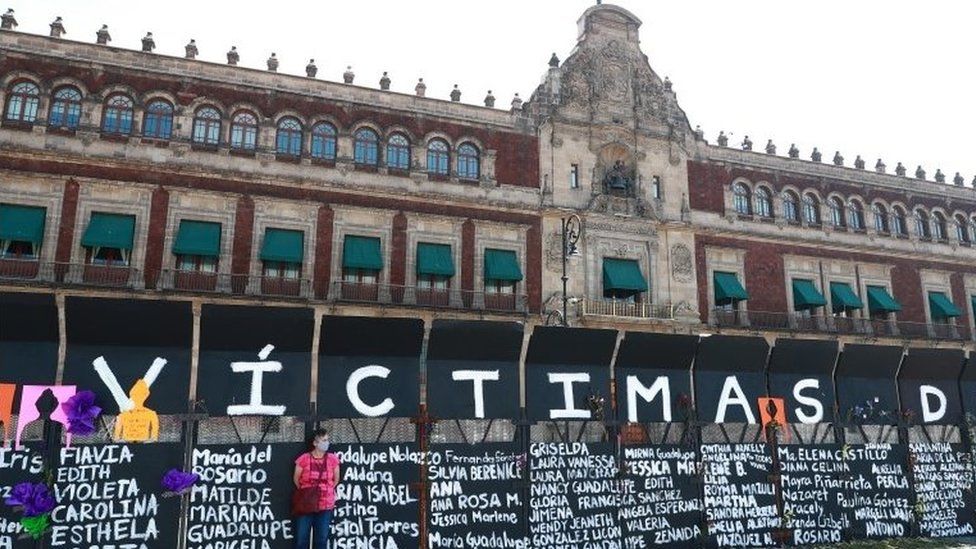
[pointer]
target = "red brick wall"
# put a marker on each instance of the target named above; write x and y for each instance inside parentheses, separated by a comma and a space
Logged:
(243, 234)
(517, 161)
(69, 216)
(398, 250)
(467, 256)
(323, 250)
(156, 238)
(766, 284)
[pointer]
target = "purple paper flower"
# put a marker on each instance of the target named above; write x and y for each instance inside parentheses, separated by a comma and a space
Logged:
(33, 499)
(178, 482)
(82, 413)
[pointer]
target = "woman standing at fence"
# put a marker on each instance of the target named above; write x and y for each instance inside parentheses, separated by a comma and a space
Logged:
(316, 477)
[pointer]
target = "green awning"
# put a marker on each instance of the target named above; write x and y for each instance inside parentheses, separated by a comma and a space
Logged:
(434, 259)
(107, 230)
(728, 289)
(972, 303)
(283, 245)
(362, 252)
(880, 301)
(941, 307)
(197, 238)
(502, 265)
(623, 274)
(806, 296)
(22, 223)
(843, 297)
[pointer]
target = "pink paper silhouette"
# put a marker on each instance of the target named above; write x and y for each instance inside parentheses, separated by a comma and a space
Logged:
(28, 407)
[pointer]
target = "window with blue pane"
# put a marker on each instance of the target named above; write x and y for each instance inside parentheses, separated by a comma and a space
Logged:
(206, 126)
(469, 162)
(22, 101)
(366, 144)
(159, 120)
(438, 157)
(244, 131)
(289, 138)
(65, 108)
(398, 152)
(118, 115)
(323, 141)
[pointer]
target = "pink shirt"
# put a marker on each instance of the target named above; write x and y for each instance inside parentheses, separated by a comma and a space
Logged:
(324, 472)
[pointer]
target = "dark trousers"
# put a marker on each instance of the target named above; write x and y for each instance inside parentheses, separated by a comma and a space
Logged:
(313, 528)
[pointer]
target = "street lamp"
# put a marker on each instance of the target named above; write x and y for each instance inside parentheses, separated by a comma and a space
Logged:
(572, 228)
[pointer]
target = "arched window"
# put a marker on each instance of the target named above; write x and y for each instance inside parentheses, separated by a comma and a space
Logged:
(159, 120)
(22, 100)
(764, 202)
(962, 229)
(244, 131)
(468, 162)
(880, 214)
(289, 138)
(117, 118)
(855, 215)
(323, 141)
(939, 230)
(65, 108)
(811, 209)
(365, 145)
(836, 206)
(741, 199)
(398, 152)
(206, 126)
(791, 207)
(438, 157)
(899, 225)
(922, 225)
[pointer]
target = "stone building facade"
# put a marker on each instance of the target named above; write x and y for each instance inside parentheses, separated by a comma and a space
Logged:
(128, 173)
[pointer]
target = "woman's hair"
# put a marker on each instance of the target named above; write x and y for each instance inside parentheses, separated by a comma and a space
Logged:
(316, 434)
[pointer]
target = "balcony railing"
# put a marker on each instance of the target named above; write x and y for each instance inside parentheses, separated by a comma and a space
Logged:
(619, 308)
(223, 283)
(389, 294)
(72, 274)
(795, 322)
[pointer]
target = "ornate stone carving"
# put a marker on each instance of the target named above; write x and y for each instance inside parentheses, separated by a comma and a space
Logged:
(682, 266)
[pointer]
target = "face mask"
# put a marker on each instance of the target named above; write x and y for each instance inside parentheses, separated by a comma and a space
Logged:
(322, 446)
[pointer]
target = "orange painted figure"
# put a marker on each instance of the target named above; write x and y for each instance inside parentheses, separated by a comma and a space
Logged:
(137, 424)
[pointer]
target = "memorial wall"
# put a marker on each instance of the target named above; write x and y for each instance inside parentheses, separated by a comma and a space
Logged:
(623, 442)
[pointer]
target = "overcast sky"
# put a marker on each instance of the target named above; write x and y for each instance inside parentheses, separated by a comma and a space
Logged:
(888, 78)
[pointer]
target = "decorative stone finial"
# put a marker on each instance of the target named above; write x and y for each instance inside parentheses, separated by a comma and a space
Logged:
(667, 84)
(859, 162)
(794, 152)
(348, 76)
(554, 61)
(8, 21)
(102, 36)
(747, 144)
(148, 44)
(420, 89)
(699, 134)
(770, 147)
(311, 70)
(516, 103)
(880, 167)
(816, 155)
(273, 62)
(939, 176)
(232, 56)
(838, 159)
(900, 169)
(384, 81)
(958, 180)
(191, 49)
(57, 28)
(919, 173)
(974, 182)
(455, 94)
(490, 100)
(723, 140)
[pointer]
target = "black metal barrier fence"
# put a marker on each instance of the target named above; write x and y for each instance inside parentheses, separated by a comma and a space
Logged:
(652, 440)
